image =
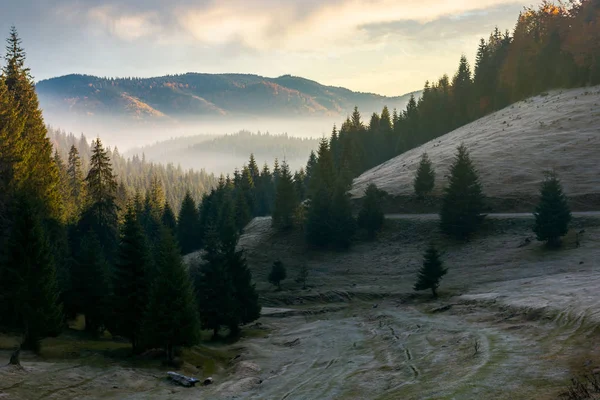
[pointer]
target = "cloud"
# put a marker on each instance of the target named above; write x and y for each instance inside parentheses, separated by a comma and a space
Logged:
(370, 45)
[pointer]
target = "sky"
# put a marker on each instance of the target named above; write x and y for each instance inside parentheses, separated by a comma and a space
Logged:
(389, 47)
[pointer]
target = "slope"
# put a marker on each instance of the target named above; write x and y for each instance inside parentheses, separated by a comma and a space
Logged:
(512, 148)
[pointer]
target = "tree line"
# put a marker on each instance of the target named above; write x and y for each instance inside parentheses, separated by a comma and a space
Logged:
(133, 174)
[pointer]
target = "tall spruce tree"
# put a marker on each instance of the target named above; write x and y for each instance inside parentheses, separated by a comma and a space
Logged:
(286, 201)
(246, 305)
(11, 151)
(35, 171)
(431, 272)
(463, 201)
(101, 213)
(370, 216)
(171, 318)
(168, 219)
(91, 283)
(29, 299)
(214, 287)
(424, 177)
(343, 224)
(552, 214)
(188, 225)
(76, 180)
(131, 281)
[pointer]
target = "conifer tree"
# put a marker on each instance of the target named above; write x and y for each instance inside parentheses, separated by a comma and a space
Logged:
(424, 177)
(247, 307)
(171, 318)
(131, 281)
(431, 272)
(343, 224)
(552, 214)
(101, 213)
(67, 207)
(188, 225)
(91, 283)
(299, 184)
(265, 192)
(214, 287)
(76, 180)
(311, 165)
(463, 201)
(11, 151)
(243, 213)
(29, 295)
(278, 273)
(286, 201)
(35, 170)
(168, 219)
(276, 173)
(317, 226)
(253, 168)
(371, 217)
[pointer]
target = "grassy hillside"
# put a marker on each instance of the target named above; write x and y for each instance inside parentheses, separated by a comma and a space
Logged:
(195, 95)
(511, 148)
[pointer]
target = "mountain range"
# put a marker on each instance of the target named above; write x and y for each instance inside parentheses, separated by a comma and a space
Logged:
(195, 96)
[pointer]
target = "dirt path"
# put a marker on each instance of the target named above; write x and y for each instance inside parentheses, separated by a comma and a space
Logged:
(396, 351)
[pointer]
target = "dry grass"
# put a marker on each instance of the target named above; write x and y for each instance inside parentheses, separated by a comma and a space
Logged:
(512, 148)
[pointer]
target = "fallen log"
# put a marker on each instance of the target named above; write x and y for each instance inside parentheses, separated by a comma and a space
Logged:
(182, 379)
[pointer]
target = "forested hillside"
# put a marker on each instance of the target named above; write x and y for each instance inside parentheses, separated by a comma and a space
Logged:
(224, 153)
(193, 96)
(136, 173)
(85, 232)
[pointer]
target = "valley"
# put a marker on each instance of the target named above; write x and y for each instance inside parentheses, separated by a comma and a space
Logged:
(509, 316)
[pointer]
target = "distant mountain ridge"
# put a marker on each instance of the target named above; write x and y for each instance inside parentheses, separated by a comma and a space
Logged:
(197, 95)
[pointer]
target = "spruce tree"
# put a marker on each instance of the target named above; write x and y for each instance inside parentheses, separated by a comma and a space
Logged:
(101, 213)
(168, 219)
(214, 287)
(299, 184)
(431, 272)
(463, 201)
(343, 224)
(11, 151)
(76, 181)
(188, 225)
(265, 192)
(286, 201)
(552, 215)
(253, 168)
(171, 318)
(131, 281)
(278, 273)
(247, 307)
(29, 299)
(317, 226)
(311, 166)
(370, 216)
(424, 177)
(243, 214)
(91, 283)
(36, 171)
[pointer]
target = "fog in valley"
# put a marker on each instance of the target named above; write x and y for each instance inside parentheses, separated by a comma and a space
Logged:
(199, 144)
